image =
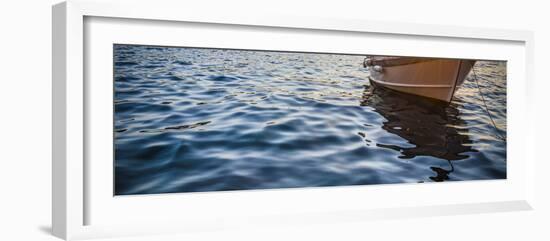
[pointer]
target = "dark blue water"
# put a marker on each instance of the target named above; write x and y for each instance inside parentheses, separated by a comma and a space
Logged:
(190, 120)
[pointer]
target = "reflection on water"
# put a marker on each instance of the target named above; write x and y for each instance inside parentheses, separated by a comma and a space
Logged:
(429, 127)
(192, 120)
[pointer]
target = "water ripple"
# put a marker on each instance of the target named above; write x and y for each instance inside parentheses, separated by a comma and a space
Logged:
(190, 120)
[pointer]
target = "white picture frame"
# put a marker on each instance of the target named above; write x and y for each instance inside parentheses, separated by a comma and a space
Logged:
(77, 195)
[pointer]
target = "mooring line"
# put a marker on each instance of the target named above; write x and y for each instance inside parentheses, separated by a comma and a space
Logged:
(499, 135)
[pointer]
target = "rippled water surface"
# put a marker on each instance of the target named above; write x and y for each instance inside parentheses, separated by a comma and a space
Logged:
(189, 120)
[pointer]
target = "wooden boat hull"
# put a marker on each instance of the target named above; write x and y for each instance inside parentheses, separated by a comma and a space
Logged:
(432, 78)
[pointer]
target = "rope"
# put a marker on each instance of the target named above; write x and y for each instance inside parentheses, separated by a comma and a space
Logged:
(499, 135)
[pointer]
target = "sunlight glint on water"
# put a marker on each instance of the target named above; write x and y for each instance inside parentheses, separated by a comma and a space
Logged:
(189, 119)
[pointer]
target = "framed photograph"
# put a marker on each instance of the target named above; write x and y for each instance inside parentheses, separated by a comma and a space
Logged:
(174, 120)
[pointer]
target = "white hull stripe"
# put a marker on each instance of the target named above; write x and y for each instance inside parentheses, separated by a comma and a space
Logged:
(410, 85)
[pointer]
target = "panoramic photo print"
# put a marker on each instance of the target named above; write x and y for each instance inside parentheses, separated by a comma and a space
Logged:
(192, 119)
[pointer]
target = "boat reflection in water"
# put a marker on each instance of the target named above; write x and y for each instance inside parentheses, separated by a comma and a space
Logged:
(431, 128)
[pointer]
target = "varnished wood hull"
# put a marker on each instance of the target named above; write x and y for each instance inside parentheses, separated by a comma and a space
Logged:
(432, 78)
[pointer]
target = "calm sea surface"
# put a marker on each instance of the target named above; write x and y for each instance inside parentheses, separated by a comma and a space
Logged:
(190, 120)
